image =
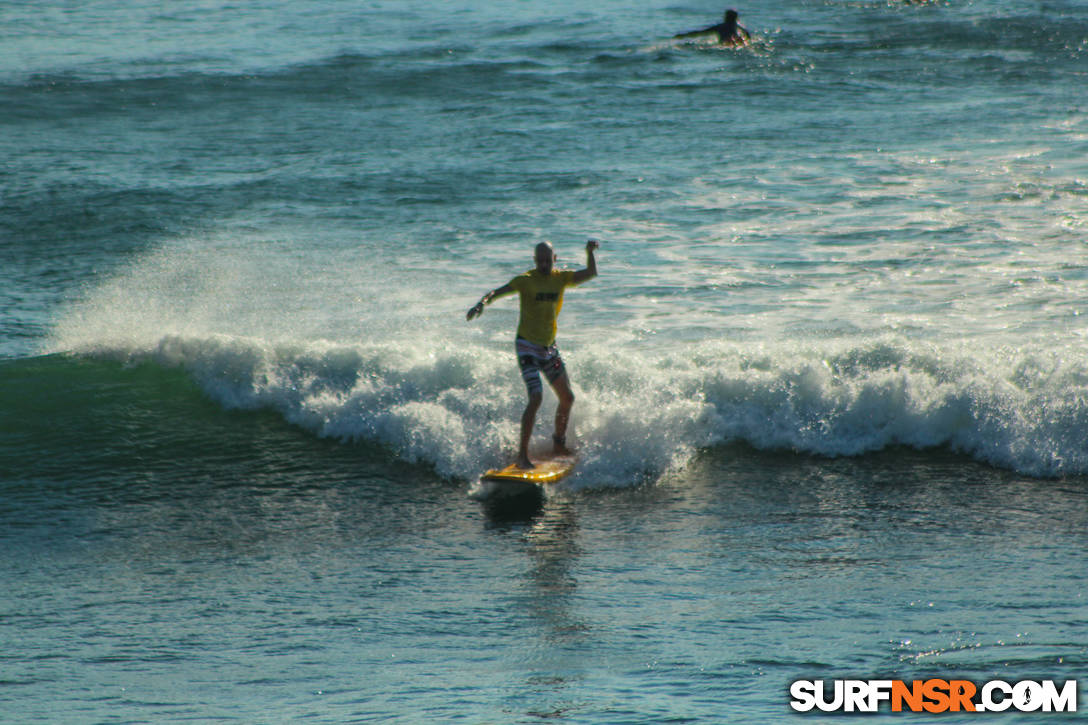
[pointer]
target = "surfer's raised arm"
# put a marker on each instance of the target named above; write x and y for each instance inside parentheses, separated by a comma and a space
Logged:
(591, 263)
(478, 308)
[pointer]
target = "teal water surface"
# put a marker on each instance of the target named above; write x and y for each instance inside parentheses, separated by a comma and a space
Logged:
(832, 398)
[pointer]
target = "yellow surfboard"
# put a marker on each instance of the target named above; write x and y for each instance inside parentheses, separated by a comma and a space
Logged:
(545, 471)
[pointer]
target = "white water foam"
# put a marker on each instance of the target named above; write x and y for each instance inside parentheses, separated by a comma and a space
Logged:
(448, 394)
(637, 417)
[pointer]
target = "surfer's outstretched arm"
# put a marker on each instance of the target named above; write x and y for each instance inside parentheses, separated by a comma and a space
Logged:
(591, 263)
(478, 308)
(693, 33)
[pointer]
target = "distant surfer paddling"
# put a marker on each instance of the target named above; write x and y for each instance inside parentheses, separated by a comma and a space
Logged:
(729, 32)
(541, 295)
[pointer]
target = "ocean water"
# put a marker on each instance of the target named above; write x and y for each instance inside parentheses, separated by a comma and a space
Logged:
(832, 380)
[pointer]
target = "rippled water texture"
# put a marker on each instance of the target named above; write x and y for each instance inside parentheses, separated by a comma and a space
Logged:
(832, 391)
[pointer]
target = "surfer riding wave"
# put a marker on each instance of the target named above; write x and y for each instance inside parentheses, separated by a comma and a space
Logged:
(540, 292)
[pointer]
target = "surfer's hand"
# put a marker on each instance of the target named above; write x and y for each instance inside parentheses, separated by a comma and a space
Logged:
(476, 311)
(592, 245)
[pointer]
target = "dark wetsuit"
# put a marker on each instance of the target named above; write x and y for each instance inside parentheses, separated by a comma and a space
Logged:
(728, 32)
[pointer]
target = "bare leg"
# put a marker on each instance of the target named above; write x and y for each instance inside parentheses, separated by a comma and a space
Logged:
(528, 418)
(562, 412)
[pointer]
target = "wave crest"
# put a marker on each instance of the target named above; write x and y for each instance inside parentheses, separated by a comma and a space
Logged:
(638, 417)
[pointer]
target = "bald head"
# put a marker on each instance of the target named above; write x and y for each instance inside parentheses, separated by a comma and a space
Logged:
(544, 255)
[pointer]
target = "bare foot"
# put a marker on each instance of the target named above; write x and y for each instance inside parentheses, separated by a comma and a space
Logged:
(524, 462)
(561, 446)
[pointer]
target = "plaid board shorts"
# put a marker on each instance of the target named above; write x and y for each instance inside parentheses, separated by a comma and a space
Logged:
(533, 359)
